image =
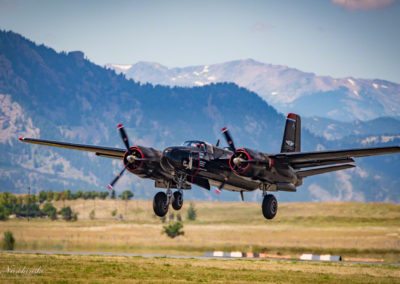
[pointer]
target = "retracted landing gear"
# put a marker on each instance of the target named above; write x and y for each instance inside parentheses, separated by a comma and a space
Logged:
(269, 206)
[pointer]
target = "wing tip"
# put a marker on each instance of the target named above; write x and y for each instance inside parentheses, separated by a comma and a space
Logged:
(21, 138)
(109, 187)
(120, 125)
(224, 129)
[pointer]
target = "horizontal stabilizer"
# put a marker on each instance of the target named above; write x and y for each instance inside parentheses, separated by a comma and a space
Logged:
(313, 172)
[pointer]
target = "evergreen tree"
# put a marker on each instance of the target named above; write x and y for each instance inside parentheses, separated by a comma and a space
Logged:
(8, 241)
(173, 230)
(191, 213)
(42, 196)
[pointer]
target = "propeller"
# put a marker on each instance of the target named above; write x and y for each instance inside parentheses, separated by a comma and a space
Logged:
(123, 135)
(231, 145)
(218, 190)
(130, 158)
(228, 139)
(110, 186)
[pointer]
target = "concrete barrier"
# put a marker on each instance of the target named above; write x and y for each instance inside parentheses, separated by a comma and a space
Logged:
(325, 257)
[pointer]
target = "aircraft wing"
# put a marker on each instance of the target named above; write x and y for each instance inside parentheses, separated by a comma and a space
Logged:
(341, 158)
(99, 150)
(302, 157)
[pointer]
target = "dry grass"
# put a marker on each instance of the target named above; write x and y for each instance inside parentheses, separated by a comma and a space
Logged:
(350, 229)
(136, 269)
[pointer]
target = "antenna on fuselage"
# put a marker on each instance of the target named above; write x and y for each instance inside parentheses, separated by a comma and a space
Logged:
(217, 143)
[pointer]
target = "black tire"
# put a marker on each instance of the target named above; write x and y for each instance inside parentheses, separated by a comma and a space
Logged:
(177, 200)
(269, 206)
(160, 205)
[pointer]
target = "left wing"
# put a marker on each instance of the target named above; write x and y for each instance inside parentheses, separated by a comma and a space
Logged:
(301, 157)
(99, 150)
(341, 158)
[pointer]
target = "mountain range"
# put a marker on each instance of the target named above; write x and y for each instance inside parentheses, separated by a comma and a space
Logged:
(63, 96)
(286, 89)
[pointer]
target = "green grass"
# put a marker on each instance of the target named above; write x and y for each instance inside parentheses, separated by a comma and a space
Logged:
(100, 269)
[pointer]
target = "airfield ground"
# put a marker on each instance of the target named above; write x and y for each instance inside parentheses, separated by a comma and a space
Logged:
(356, 231)
(66, 268)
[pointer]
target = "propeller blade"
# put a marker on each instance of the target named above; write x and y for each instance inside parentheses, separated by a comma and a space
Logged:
(123, 135)
(218, 191)
(110, 186)
(228, 139)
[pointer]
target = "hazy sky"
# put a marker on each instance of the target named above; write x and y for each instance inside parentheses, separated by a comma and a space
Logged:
(359, 38)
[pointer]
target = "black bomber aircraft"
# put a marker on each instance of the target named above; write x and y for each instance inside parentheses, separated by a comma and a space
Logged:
(240, 170)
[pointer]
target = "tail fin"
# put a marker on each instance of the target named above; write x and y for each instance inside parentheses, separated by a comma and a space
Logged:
(292, 136)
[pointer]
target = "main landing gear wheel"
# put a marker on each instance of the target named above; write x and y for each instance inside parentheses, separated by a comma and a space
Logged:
(269, 206)
(177, 200)
(160, 204)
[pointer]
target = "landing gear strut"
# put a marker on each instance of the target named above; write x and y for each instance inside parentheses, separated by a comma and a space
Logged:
(269, 206)
(162, 200)
(177, 200)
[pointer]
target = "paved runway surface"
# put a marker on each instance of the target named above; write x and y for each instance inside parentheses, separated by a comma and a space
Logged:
(175, 256)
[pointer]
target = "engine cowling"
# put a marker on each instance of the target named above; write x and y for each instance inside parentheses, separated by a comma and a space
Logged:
(250, 163)
(136, 158)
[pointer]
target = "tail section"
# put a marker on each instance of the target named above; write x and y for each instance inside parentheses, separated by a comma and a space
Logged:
(292, 136)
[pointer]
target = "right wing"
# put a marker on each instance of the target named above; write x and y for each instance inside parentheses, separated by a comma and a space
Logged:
(99, 150)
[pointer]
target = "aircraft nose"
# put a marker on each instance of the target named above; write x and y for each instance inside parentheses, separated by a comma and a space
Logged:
(173, 158)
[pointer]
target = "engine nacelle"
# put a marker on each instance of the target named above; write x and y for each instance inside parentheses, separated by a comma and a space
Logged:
(138, 159)
(250, 163)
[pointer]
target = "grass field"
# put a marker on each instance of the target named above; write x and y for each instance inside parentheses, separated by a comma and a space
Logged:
(354, 230)
(62, 268)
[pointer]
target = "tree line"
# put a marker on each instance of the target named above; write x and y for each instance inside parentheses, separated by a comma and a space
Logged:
(31, 205)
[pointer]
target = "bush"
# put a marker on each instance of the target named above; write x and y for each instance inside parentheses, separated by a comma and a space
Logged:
(179, 217)
(191, 213)
(50, 211)
(173, 230)
(3, 213)
(8, 241)
(171, 217)
(92, 215)
(114, 212)
(67, 214)
(126, 195)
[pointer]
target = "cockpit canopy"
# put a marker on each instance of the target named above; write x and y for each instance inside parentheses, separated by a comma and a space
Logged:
(203, 146)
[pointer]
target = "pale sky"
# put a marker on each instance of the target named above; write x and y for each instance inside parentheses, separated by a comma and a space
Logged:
(359, 38)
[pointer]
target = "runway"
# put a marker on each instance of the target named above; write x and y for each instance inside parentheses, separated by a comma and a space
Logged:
(181, 256)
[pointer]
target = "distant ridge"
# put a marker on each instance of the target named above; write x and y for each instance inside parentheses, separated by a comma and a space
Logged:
(287, 89)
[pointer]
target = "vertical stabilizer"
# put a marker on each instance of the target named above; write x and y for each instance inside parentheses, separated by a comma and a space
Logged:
(292, 136)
